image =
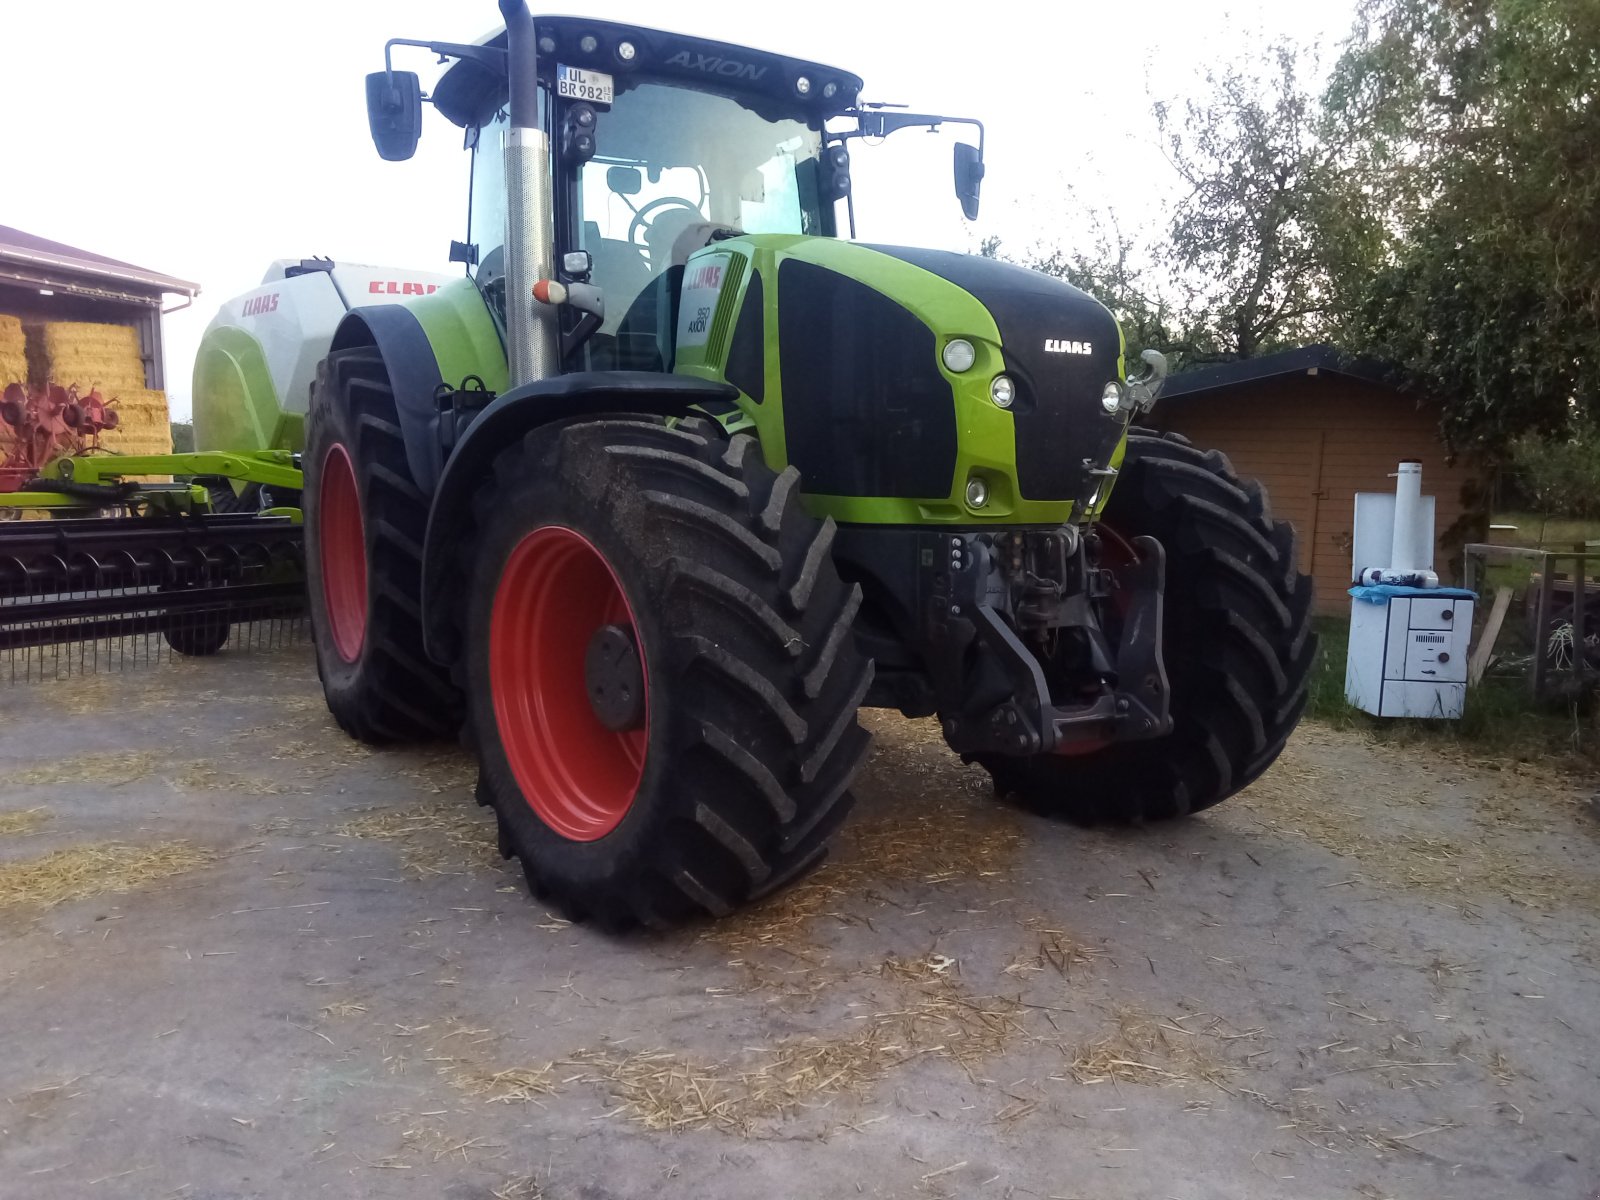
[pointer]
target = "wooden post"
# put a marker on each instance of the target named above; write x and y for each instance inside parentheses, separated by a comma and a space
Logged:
(1491, 634)
(1541, 639)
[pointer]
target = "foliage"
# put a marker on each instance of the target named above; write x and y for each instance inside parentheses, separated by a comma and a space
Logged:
(1474, 127)
(1254, 243)
(1561, 474)
(1249, 258)
(182, 437)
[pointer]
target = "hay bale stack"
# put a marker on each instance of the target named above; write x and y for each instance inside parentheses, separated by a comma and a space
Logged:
(85, 355)
(142, 423)
(107, 357)
(13, 351)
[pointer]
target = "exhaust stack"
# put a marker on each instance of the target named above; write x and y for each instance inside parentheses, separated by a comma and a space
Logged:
(530, 326)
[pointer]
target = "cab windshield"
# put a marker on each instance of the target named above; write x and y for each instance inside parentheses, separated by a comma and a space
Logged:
(675, 170)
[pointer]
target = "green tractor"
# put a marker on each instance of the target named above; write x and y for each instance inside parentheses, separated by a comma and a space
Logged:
(676, 479)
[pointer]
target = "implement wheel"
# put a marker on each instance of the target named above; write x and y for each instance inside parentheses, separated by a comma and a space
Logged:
(1238, 642)
(662, 678)
(364, 524)
(200, 635)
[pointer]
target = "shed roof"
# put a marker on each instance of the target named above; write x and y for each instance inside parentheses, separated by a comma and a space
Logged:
(42, 258)
(1307, 360)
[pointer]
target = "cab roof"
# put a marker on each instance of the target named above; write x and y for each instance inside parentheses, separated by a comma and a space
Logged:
(470, 91)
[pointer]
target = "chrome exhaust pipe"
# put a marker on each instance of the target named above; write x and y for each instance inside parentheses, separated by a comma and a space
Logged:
(531, 331)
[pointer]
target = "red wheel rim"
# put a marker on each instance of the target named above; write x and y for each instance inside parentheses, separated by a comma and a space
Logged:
(342, 546)
(577, 775)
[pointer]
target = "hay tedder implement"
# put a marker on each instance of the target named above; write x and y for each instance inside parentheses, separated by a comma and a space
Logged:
(118, 561)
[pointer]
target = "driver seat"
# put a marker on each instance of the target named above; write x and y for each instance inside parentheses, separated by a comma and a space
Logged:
(618, 269)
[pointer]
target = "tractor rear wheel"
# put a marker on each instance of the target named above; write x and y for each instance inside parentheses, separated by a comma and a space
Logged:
(1237, 639)
(364, 524)
(661, 675)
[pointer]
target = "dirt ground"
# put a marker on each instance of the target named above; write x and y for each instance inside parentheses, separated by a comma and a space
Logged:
(241, 956)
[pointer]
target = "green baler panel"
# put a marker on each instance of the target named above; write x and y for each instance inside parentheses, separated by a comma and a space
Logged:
(235, 405)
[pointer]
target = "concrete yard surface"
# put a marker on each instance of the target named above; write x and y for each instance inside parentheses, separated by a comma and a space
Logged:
(243, 956)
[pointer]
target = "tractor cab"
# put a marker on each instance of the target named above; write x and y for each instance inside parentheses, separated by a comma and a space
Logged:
(660, 144)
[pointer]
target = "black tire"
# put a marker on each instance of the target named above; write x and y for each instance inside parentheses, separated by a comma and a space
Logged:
(753, 677)
(388, 690)
(200, 635)
(225, 500)
(1238, 642)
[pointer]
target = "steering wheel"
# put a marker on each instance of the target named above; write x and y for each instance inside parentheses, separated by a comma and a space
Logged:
(642, 220)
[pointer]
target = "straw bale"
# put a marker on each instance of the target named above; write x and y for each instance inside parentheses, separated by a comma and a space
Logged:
(13, 351)
(85, 354)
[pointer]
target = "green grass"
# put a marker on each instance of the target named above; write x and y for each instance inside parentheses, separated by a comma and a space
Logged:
(1500, 721)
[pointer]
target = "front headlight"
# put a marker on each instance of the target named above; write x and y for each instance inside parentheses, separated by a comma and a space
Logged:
(958, 355)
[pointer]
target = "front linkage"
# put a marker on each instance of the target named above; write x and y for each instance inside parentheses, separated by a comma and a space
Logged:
(1029, 642)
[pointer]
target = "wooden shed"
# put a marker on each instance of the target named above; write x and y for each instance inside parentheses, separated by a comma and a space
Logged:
(1316, 427)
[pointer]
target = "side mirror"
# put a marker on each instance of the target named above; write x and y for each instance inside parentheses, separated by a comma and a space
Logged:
(625, 181)
(969, 178)
(394, 112)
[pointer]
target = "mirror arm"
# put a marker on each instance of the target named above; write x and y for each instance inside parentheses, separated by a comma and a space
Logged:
(882, 124)
(492, 57)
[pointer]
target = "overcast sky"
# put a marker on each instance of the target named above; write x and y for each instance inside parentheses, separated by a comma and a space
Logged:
(206, 139)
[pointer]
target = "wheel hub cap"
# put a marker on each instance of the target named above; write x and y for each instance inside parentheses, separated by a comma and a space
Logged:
(614, 678)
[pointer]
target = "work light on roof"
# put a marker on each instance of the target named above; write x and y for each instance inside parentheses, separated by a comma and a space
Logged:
(626, 51)
(803, 85)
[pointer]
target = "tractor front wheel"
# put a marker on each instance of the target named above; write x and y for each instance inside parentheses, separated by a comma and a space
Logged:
(662, 682)
(1237, 640)
(365, 519)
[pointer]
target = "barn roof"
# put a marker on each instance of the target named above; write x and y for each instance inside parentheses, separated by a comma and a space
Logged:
(1307, 360)
(28, 258)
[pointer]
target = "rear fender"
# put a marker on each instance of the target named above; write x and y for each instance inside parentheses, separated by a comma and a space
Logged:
(505, 422)
(441, 337)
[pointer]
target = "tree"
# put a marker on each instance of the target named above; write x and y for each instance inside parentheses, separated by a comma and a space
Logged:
(1475, 125)
(1251, 257)
(1261, 239)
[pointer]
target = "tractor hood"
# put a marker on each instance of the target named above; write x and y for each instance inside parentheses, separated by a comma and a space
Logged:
(1062, 346)
(883, 388)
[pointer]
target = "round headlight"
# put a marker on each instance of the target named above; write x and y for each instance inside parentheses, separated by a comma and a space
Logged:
(1111, 398)
(1003, 391)
(547, 44)
(626, 51)
(977, 492)
(959, 355)
(588, 43)
(830, 90)
(803, 85)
